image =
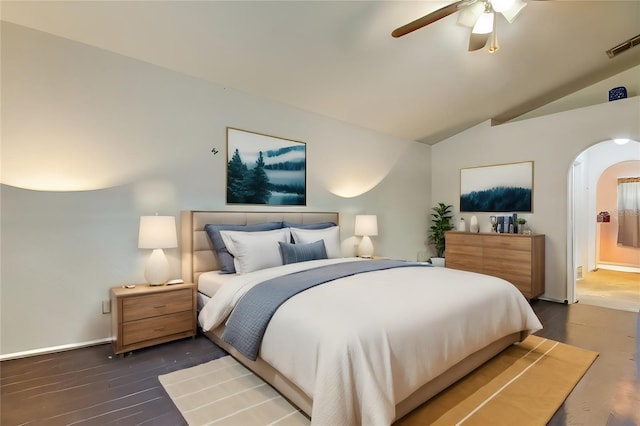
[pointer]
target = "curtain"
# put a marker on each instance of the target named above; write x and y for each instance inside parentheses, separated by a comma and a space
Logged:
(629, 211)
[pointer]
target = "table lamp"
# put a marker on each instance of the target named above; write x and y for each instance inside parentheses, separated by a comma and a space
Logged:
(366, 225)
(157, 233)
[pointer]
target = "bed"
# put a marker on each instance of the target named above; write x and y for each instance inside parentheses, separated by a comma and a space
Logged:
(366, 348)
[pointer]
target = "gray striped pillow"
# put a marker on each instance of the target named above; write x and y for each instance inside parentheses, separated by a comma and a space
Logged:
(293, 253)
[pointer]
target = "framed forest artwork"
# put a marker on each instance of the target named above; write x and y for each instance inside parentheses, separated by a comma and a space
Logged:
(264, 169)
(498, 188)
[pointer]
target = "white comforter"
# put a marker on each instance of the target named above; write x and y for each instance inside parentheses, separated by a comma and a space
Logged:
(359, 345)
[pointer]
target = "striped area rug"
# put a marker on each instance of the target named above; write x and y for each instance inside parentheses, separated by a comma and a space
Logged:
(523, 385)
(224, 392)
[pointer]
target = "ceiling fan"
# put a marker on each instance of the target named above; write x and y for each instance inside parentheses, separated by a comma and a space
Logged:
(479, 15)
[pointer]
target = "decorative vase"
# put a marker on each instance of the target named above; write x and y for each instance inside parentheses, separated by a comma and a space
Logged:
(473, 225)
(462, 226)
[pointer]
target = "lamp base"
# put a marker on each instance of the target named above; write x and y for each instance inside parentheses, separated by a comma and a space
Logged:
(156, 271)
(365, 249)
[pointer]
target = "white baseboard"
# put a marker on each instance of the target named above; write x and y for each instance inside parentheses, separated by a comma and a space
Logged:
(53, 349)
(618, 268)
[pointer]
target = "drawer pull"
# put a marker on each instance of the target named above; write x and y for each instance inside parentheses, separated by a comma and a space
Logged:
(161, 306)
(159, 329)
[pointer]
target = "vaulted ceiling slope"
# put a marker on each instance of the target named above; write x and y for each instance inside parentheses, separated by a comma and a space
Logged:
(338, 59)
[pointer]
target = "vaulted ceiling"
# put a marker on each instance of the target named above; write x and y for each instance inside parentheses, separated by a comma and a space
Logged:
(338, 59)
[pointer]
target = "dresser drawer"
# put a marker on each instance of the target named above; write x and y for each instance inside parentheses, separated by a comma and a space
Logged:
(500, 259)
(507, 242)
(471, 254)
(464, 265)
(153, 305)
(465, 261)
(518, 259)
(153, 328)
(463, 239)
(463, 251)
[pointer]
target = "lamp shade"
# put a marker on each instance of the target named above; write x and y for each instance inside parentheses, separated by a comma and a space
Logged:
(366, 224)
(157, 232)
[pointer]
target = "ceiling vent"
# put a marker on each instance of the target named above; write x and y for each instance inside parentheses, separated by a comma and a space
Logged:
(625, 45)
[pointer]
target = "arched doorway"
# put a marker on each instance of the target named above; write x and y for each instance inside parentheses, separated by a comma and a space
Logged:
(583, 229)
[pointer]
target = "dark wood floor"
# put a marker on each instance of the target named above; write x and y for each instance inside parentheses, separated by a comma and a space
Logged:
(609, 393)
(90, 386)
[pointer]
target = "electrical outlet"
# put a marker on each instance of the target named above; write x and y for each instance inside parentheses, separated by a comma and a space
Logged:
(106, 306)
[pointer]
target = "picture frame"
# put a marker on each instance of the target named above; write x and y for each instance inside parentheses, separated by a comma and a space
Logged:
(265, 170)
(497, 188)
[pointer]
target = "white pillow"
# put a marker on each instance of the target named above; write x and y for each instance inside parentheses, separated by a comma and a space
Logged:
(253, 251)
(331, 237)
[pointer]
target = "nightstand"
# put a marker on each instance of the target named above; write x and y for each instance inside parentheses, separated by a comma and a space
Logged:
(148, 315)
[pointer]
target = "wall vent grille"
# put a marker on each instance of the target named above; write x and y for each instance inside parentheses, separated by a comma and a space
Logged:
(625, 45)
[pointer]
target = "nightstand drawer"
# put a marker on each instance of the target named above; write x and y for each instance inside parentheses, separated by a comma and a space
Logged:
(153, 305)
(152, 328)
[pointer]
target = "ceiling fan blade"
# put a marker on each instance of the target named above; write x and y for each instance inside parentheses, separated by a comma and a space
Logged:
(427, 19)
(469, 15)
(512, 13)
(478, 41)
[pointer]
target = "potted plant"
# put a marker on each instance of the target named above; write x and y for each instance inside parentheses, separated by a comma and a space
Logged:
(521, 222)
(441, 223)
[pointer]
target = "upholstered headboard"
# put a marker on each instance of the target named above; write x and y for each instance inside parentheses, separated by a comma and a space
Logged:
(196, 251)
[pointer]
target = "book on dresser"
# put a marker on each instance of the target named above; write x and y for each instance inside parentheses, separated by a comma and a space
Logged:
(516, 258)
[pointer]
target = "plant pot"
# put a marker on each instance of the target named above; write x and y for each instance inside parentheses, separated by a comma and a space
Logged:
(437, 261)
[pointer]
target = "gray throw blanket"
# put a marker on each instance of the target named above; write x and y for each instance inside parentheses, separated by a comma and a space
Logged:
(248, 321)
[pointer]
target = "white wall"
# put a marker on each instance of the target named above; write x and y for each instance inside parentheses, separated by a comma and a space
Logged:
(596, 159)
(553, 142)
(92, 140)
(580, 215)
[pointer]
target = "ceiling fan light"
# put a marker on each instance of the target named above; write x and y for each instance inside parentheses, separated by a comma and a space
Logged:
(477, 41)
(484, 24)
(512, 13)
(469, 15)
(502, 5)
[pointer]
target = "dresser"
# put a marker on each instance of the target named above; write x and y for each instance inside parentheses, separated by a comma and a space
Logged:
(148, 315)
(516, 258)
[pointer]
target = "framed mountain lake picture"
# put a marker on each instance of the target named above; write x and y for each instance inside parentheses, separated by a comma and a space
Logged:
(498, 188)
(264, 169)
